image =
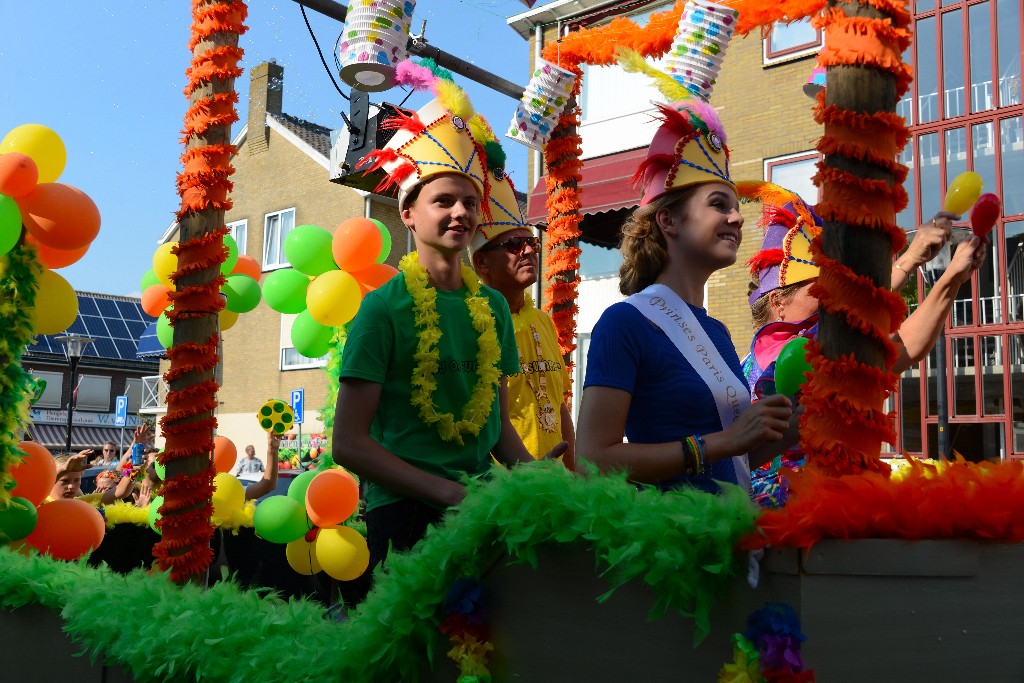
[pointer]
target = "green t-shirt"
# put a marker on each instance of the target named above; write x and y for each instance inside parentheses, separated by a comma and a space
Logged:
(380, 348)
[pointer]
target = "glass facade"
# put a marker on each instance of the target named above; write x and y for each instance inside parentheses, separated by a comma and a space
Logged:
(965, 114)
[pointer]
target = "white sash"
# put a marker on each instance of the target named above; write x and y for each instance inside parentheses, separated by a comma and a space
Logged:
(673, 316)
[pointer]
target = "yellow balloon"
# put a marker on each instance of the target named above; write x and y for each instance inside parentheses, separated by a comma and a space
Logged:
(56, 304)
(227, 319)
(963, 192)
(342, 553)
(165, 263)
(228, 496)
(41, 144)
(301, 555)
(333, 298)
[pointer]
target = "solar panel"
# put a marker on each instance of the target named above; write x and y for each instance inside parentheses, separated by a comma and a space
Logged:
(116, 324)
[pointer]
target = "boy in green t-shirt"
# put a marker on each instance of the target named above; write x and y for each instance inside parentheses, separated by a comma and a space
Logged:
(422, 401)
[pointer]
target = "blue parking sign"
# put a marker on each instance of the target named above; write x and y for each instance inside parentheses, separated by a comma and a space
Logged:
(297, 396)
(120, 411)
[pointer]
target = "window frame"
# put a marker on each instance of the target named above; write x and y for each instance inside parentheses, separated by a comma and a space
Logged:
(771, 57)
(283, 261)
(285, 344)
(771, 163)
(233, 229)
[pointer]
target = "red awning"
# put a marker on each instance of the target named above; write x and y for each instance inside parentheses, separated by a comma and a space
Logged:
(605, 186)
(53, 436)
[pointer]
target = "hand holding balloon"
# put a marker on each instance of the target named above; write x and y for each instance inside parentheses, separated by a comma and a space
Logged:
(791, 368)
(963, 192)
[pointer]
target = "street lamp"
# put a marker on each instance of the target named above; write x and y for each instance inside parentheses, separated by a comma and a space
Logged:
(74, 346)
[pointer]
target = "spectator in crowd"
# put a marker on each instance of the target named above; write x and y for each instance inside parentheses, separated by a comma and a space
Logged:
(68, 482)
(250, 464)
(268, 483)
(108, 458)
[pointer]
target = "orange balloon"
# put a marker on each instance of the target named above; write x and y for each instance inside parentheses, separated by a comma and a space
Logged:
(331, 498)
(374, 276)
(356, 244)
(60, 216)
(224, 453)
(35, 474)
(247, 265)
(55, 259)
(67, 529)
(18, 174)
(155, 299)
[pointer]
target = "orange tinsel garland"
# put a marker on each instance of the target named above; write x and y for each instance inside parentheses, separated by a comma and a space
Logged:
(203, 186)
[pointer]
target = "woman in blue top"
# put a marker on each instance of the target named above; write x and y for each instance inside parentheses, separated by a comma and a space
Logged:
(661, 372)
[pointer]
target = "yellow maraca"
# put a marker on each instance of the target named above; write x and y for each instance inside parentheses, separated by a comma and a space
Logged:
(963, 192)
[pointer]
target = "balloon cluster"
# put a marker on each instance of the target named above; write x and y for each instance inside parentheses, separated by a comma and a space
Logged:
(241, 288)
(964, 193)
(65, 529)
(309, 520)
(61, 221)
(328, 279)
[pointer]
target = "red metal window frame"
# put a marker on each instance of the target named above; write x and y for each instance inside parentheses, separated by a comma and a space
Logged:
(770, 54)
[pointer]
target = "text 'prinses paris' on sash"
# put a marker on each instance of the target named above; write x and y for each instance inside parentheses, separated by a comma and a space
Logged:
(673, 316)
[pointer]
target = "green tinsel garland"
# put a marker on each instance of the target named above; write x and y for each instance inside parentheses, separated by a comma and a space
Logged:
(19, 282)
(333, 369)
(679, 543)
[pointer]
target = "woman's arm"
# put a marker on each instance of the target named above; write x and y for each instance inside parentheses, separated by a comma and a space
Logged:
(919, 332)
(603, 413)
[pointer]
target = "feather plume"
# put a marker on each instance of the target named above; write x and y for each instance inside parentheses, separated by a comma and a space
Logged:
(633, 62)
(454, 99)
(777, 215)
(412, 75)
(651, 164)
(480, 130)
(765, 259)
(494, 155)
(440, 72)
(402, 121)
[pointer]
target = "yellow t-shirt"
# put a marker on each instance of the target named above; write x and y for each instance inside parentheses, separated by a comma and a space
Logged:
(535, 405)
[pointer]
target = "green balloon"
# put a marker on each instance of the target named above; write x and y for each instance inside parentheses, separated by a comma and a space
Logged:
(161, 470)
(308, 249)
(164, 331)
(385, 236)
(17, 520)
(791, 367)
(279, 519)
(242, 292)
(285, 290)
(10, 224)
(148, 280)
(154, 513)
(297, 489)
(309, 337)
(232, 258)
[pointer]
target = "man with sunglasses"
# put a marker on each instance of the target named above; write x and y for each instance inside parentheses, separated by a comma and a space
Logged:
(109, 458)
(506, 257)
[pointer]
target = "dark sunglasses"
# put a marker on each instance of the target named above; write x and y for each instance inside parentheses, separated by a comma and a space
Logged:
(515, 245)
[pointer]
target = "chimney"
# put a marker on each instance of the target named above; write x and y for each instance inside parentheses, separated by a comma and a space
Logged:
(266, 89)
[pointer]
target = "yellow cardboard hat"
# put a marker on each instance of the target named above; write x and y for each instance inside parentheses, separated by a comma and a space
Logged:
(505, 211)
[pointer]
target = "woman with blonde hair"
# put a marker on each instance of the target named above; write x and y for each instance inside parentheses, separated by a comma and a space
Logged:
(661, 372)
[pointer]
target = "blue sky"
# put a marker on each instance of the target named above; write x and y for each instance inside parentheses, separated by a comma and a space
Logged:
(108, 78)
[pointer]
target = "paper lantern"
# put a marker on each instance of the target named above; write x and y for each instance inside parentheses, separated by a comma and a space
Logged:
(705, 29)
(373, 42)
(541, 105)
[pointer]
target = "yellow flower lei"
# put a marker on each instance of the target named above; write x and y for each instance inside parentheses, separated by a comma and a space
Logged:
(424, 381)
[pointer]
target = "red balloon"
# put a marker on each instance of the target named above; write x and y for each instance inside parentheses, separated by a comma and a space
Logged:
(35, 475)
(55, 259)
(331, 498)
(155, 299)
(985, 214)
(374, 276)
(247, 265)
(224, 454)
(67, 529)
(60, 216)
(356, 244)
(18, 174)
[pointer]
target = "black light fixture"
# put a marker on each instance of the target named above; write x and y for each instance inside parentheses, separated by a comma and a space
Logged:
(74, 347)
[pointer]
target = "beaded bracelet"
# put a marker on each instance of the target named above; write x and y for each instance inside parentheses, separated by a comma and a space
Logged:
(703, 464)
(696, 465)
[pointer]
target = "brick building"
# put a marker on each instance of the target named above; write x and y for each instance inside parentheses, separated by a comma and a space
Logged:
(280, 181)
(965, 113)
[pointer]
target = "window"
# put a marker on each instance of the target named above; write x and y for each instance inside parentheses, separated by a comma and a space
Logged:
(789, 41)
(609, 92)
(599, 262)
(290, 358)
(133, 390)
(579, 372)
(238, 231)
(54, 389)
(795, 172)
(93, 393)
(276, 227)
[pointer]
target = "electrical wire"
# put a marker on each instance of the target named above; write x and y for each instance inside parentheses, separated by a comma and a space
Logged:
(322, 60)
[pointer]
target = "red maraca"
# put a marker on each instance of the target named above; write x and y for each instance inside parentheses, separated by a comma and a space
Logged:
(985, 213)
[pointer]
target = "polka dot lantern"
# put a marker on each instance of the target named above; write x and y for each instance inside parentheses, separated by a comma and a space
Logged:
(373, 42)
(705, 29)
(541, 105)
(276, 416)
